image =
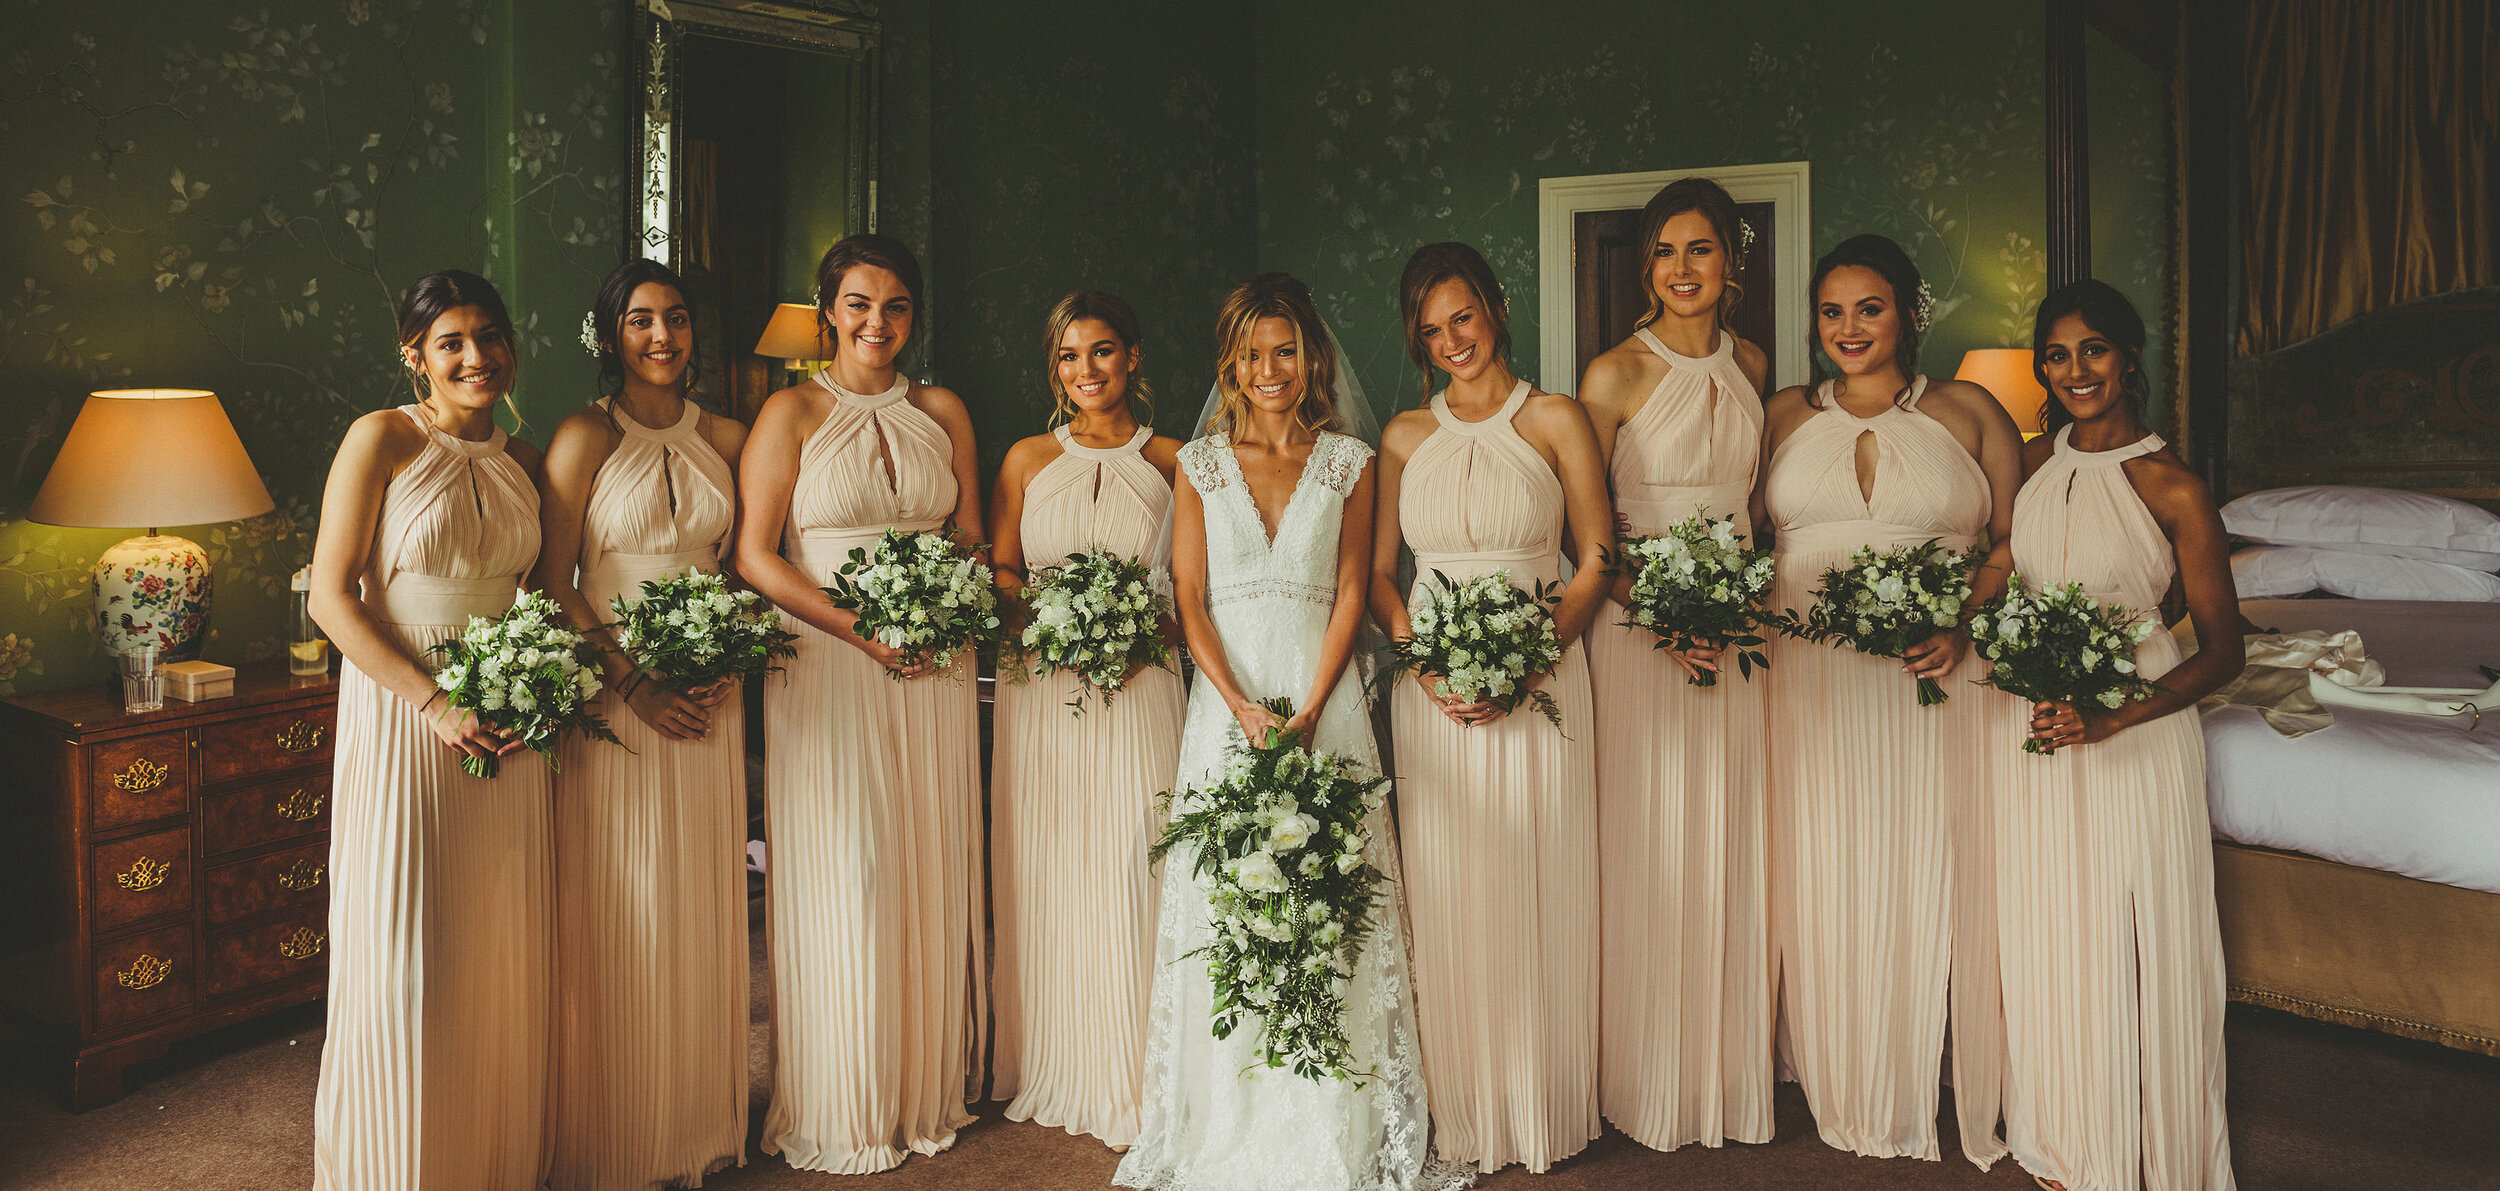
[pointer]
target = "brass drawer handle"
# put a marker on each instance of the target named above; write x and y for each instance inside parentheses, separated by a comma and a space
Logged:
(300, 737)
(146, 972)
(305, 943)
(302, 806)
(144, 875)
(142, 776)
(305, 875)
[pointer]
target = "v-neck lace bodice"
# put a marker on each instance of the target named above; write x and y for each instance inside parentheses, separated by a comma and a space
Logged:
(1300, 561)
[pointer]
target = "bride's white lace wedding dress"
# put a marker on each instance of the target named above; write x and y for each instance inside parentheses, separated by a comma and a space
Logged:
(1213, 1118)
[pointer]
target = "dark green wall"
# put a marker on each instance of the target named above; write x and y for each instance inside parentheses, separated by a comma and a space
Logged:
(199, 199)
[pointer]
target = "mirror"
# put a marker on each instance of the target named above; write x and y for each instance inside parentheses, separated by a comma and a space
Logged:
(756, 148)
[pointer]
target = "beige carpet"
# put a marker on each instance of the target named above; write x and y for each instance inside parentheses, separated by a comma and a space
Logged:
(2313, 1108)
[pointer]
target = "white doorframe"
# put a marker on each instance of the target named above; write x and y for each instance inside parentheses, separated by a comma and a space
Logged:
(1786, 185)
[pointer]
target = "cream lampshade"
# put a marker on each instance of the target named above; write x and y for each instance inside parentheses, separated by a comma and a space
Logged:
(796, 336)
(2006, 373)
(151, 457)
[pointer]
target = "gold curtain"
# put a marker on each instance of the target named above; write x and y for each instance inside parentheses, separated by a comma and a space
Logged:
(2371, 146)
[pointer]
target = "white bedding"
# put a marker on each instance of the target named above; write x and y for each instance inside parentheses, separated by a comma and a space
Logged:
(2404, 794)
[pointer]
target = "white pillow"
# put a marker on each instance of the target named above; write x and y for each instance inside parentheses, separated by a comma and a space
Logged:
(2272, 572)
(2382, 521)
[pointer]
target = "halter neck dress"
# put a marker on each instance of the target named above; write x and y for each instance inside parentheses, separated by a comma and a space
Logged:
(1497, 826)
(873, 809)
(651, 889)
(1072, 815)
(2114, 982)
(434, 1069)
(1882, 890)
(1684, 1039)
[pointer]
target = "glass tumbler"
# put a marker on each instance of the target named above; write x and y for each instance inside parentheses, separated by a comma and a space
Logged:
(143, 683)
(307, 651)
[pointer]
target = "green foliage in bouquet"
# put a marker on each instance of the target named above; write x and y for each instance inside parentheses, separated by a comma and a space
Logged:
(1882, 602)
(694, 631)
(1697, 584)
(524, 673)
(926, 595)
(2061, 644)
(1484, 639)
(1097, 617)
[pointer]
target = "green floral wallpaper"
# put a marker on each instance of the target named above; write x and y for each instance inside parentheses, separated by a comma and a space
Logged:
(202, 199)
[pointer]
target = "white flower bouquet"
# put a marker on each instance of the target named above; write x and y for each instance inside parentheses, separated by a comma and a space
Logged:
(1884, 602)
(1282, 843)
(524, 673)
(925, 594)
(693, 631)
(1098, 617)
(1484, 639)
(1697, 584)
(2061, 644)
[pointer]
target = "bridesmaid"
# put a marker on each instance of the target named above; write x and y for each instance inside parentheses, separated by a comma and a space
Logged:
(1685, 1027)
(874, 794)
(1882, 893)
(434, 1076)
(1497, 826)
(2112, 952)
(1073, 796)
(651, 907)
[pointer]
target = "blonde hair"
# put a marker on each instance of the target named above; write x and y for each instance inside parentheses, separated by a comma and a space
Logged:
(1273, 295)
(1110, 311)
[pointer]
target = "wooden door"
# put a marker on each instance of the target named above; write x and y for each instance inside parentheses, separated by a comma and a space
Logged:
(1607, 266)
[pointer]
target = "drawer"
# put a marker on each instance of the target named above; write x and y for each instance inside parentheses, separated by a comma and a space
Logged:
(143, 976)
(290, 947)
(142, 778)
(141, 877)
(296, 877)
(233, 820)
(268, 743)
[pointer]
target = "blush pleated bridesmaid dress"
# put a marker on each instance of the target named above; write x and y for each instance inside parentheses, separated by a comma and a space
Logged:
(1882, 890)
(1497, 830)
(651, 907)
(1072, 815)
(434, 1072)
(1685, 1027)
(873, 812)
(2112, 948)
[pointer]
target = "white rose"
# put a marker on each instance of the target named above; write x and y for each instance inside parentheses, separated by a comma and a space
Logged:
(1257, 872)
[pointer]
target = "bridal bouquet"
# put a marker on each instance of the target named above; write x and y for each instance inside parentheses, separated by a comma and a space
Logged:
(1696, 584)
(1281, 842)
(1884, 602)
(694, 631)
(1485, 638)
(524, 673)
(925, 594)
(1097, 617)
(2061, 644)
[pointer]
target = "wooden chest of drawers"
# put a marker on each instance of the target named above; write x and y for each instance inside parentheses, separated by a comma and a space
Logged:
(166, 872)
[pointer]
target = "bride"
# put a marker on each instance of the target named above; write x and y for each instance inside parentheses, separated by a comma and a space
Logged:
(1271, 538)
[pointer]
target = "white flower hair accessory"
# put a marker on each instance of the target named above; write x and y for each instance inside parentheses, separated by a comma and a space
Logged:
(590, 332)
(1744, 236)
(1926, 310)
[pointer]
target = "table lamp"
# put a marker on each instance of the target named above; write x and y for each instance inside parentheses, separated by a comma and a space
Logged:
(796, 337)
(151, 457)
(2006, 373)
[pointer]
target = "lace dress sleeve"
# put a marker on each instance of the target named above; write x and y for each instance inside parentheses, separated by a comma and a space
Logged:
(1340, 459)
(1202, 461)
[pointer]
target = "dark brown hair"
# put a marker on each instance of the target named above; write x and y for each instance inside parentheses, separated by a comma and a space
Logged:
(2112, 317)
(1711, 199)
(867, 248)
(436, 294)
(1880, 253)
(1274, 295)
(607, 318)
(1433, 264)
(1111, 312)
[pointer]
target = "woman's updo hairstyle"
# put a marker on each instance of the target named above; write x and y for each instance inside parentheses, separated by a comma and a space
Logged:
(607, 318)
(435, 294)
(1881, 254)
(866, 248)
(1273, 295)
(1111, 311)
(1711, 199)
(2112, 317)
(1433, 264)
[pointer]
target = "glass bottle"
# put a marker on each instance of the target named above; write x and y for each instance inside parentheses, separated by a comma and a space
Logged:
(307, 651)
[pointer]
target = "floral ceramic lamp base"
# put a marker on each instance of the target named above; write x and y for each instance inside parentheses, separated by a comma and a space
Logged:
(153, 590)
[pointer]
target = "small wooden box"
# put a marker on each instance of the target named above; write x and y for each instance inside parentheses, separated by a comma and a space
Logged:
(198, 682)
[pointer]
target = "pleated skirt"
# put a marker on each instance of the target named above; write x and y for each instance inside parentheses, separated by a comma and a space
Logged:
(1883, 894)
(1685, 989)
(874, 888)
(1497, 831)
(436, 1065)
(1073, 813)
(651, 955)
(2114, 984)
